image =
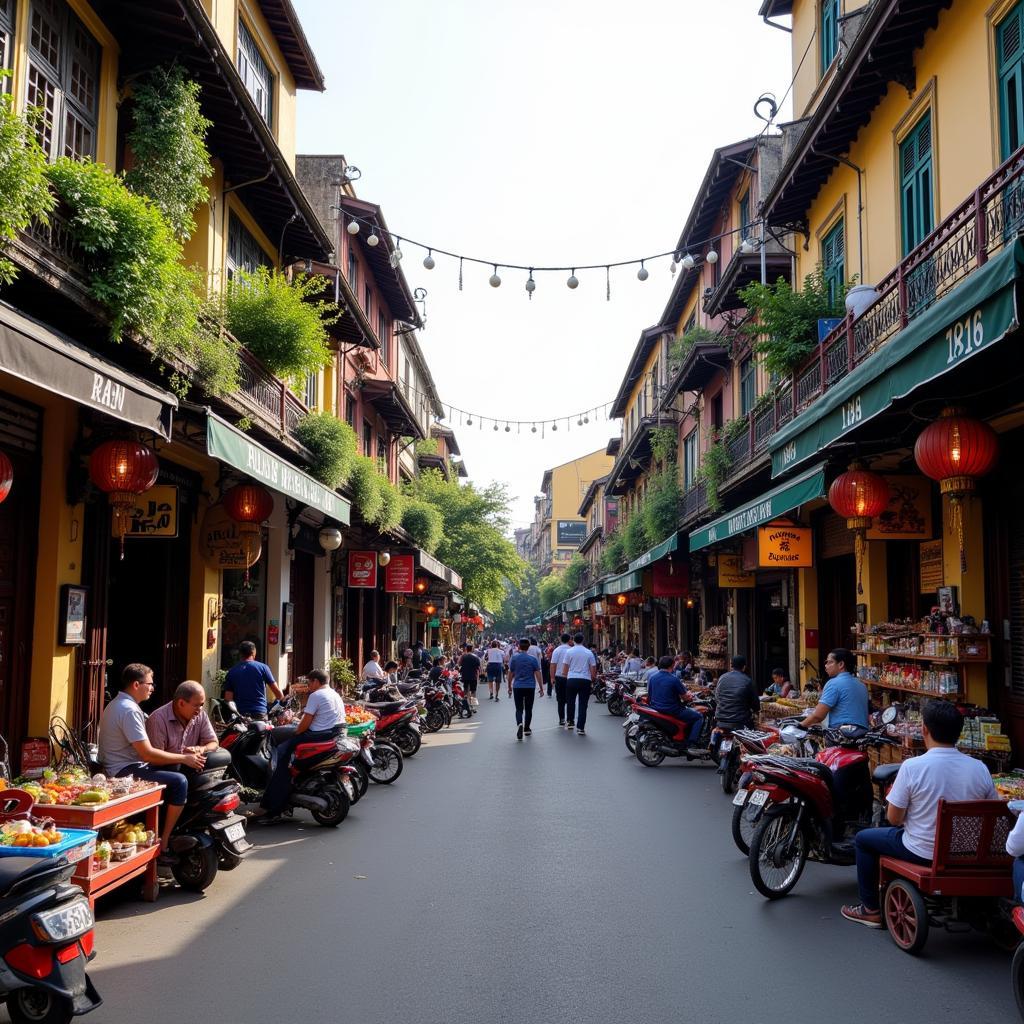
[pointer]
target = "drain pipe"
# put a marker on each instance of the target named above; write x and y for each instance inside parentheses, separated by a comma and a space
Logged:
(766, 18)
(860, 205)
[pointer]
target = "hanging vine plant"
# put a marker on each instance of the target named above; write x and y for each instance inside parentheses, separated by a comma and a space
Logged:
(714, 467)
(664, 443)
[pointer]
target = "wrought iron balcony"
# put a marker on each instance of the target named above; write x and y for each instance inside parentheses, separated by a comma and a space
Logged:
(989, 219)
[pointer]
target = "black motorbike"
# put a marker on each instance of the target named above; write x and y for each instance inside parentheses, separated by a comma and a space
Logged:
(46, 940)
(209, 835)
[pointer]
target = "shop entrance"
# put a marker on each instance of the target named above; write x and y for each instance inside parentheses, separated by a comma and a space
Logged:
(837, 611)
(301, 596)
(772, 635)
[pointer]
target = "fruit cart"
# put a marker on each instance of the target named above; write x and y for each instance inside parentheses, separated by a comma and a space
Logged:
(95, 879)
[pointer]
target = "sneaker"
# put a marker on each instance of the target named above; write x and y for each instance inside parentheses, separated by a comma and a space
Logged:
(527, 732)
(490, 696)
(861, 915)
(581, 732)
(519, 733)
(561, 722)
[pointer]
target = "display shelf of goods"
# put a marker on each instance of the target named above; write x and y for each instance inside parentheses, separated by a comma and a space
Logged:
(912, 679)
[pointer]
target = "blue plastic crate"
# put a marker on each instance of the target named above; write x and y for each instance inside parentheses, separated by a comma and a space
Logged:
(78, 843)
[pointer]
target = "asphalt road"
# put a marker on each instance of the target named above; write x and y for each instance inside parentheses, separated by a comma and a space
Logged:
(553, 879)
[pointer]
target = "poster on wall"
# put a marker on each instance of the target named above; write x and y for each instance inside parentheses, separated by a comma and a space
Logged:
(932, 574)
(909, 515)
(571, 532)
(399, 575)
(362, 569)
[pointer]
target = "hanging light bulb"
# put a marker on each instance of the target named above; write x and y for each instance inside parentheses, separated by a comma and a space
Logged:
(554, 426)
(353, 227)
(533, 429)
(712, 256)
(507, 428)
(642, 274)
(396, 256)
(372, 240)
(579, 422)
(586, 419)
(495, 427)
(574, 281)
(688, 262)
(531, 285)
(469, 421)
(494, 280)
(747, 246)
(428, 260)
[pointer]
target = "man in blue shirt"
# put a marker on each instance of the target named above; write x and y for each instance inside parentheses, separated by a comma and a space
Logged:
(665, 692)
(845, 698)
(246, 683)
(523, 674)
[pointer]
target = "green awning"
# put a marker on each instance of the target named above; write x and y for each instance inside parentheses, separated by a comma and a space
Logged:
(984, 304)
(552, 612)
(763, 509)
(573, 604)
(659, 551)
(593, 593)
(629, 580)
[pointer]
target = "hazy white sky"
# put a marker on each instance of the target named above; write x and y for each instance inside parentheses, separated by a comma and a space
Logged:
(545, 132)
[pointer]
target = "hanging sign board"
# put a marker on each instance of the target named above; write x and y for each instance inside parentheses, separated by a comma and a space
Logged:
(223, 546)
(670, 578)
(399, 575)
(362, 569)
(909, 514)
(784, 546)
(154, 513)
(731, 574)
(932, 575)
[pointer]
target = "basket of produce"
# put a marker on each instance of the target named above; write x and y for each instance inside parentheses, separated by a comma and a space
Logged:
(359, 721)
(23, 839)
(133, 832)
(122, 851)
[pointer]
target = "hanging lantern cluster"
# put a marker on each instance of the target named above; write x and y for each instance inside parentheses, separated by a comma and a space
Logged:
(859, 495)
(123, 470)
(249, 505)
(956, 450)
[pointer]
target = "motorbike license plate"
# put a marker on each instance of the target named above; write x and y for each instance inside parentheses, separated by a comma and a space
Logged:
(759, 797)
(740, 798)
(235, 832)
(726, 746)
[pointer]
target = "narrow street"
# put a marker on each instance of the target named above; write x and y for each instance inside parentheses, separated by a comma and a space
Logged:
(550, 880)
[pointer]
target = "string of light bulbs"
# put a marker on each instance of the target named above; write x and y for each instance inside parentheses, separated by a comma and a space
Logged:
(704, 249)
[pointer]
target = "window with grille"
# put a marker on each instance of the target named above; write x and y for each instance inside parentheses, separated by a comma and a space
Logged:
(6, 42)
(350, 410)
(690, 459)
(244, 252)
(382, 334)
(367, 439)
(833, 261)
(63, 78)
(829, 32)
(255, 73)
(748, 385)
(917, 209)
(309, 391)
(1010, 52)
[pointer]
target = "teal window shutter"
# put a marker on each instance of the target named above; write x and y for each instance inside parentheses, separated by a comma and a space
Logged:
(748, 385)
(916, 204)
(829, 32)
(745, 217)
(833, 261)
(1010, 53)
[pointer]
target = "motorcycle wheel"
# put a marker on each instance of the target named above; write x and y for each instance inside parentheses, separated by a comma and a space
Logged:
(228, 861)
(196, 869)
(771, 877)
(362, 779)
(730, 773)
(616, 707)
(338, 804)
(408, 741)
(434, 721)
(906, 916)
(387, 763)
(629, 734)
(647, 751)
(1016, 979)
(38, 1006)
(742, 829)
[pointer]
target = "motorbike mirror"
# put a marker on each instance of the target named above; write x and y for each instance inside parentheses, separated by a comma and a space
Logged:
(889, 715)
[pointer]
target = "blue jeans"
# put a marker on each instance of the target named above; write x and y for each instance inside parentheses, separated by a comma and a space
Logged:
(275, 798)
(176, 784)
(871, 845)
(693, 718)
(577, 688)
(1018, 879)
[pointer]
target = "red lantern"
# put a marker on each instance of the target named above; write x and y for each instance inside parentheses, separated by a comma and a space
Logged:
(123, 470)
(955, 450)
(6, 476)
(859, 495)
(248, 503)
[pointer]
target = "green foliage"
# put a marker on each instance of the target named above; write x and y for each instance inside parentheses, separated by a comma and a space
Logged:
(426, 446)
(552, 590)
(332, 443)
(785, 322)
(281, 321)
(664, 443)
(521, 605)
(391, 500)
(660, 509)
(24, 193)
(575, 573)
(474, 543)
(714, 467)
(343, 676)
(364, 480)
(213, 352)
(424, 523)
(634, 537)
(680, 348)
(613, 554)
(168, 140)
(732, 429)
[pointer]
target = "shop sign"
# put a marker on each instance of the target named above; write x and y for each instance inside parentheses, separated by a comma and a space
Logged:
(909, 515)
(784, 546)
(222, 546)
(400, 575)
(571, 532)
(932, 573)
(731, 574)
(362, 569)
(35, 754)
(669, 578)
(611, 515)
(154, 513)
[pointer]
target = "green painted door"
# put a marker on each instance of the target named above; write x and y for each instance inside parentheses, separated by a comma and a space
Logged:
(1010, 49)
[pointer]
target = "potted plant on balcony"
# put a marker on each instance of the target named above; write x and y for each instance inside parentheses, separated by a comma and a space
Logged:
(680, 348)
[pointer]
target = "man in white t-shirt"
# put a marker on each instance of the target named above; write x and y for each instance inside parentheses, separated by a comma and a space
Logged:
(372, 670)
(557, 671)
(494, 659)
(323, 718)
(581, 671)
(941, 773)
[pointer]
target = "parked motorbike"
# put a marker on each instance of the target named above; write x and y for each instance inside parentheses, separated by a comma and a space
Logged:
(812, 808)
(209, 835)
(662, 735)
(631, 726)
(621, 688)
(321, 777)
(733, 744)
(397, 722)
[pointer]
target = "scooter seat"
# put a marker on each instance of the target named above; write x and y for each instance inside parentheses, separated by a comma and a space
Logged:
(15, 869)
(304, 750)
(885, 774)
(385, 708)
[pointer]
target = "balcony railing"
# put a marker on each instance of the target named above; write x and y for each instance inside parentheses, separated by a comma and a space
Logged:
(990, 218)
(693, 502)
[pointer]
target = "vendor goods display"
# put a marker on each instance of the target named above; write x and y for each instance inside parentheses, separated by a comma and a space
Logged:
(711, 649)
(75, 788)
(1009, 787)
(23, 834)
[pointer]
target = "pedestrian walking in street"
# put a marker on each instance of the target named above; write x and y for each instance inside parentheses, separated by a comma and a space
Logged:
(495, 659)
(557, 671)
(581, 671)
(523, 676)
(469, 673)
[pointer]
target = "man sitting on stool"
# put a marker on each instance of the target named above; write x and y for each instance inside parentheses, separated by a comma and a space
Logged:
(665, 692)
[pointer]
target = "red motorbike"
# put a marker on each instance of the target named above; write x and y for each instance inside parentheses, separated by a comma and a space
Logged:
(398, 723)
(660, 735)
(812, 808)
